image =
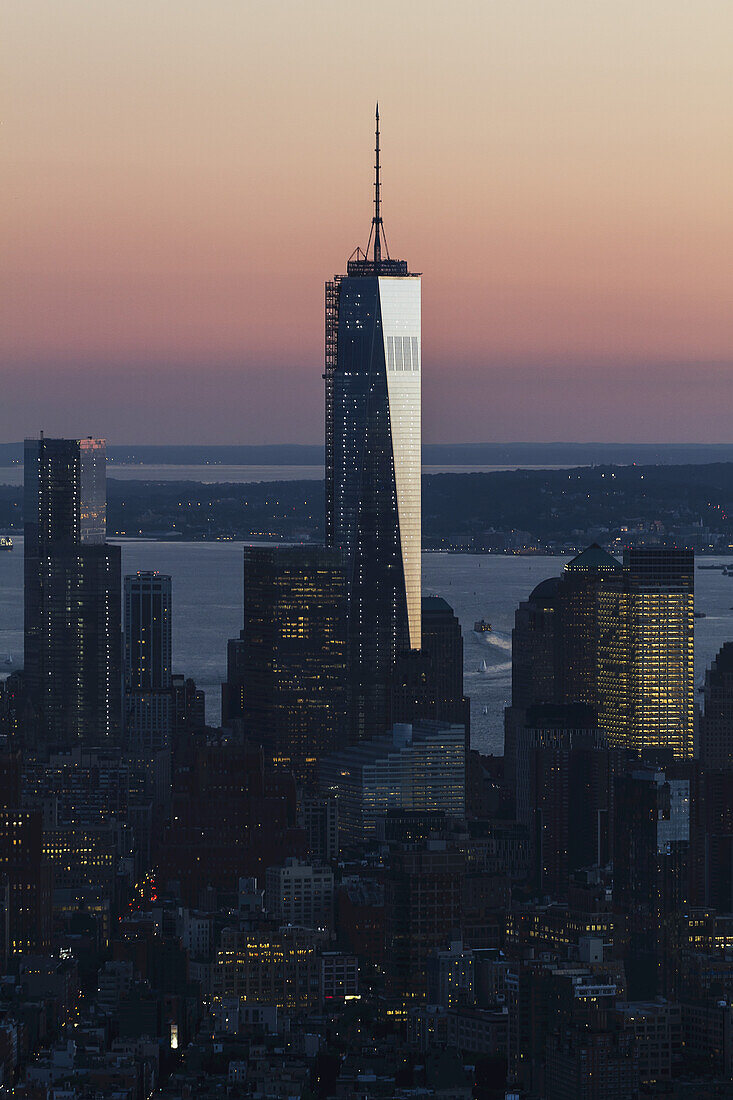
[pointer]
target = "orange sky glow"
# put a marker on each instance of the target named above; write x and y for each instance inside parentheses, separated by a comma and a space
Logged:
(181, 176)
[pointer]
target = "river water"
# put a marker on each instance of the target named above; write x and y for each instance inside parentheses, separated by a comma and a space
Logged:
(207, 610)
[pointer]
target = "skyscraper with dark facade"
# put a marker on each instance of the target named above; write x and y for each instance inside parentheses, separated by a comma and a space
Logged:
(650, 874)
(294, 654)
(72, 593)
(428, 683)
(148, 694)
(556, 636)
(716, 720)
(373, 464)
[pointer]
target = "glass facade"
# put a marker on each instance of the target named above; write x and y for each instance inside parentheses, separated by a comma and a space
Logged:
(293, 654)
(646, 681)
(72, 594)
(616, 638)
(373, 471)
(419, 768)
(148, 689)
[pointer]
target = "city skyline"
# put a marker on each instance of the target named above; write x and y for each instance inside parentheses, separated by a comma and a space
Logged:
(575, 245)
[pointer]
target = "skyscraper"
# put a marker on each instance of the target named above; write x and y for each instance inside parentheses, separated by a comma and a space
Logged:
(716, 721)
(148, 694)
(650, 874)
(293, 654)
(428, 683)
(646, 677)
(616, 638)
(373, 463)
(72, 593)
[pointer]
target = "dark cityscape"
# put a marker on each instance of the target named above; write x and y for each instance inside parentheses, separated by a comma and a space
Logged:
(373, 769)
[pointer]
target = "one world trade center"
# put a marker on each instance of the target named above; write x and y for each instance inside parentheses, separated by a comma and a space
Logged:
(373, 464)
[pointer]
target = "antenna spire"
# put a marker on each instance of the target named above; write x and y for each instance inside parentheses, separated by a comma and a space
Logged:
(377, 219)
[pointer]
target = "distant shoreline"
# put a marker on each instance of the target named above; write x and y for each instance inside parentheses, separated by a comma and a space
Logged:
(433, 454)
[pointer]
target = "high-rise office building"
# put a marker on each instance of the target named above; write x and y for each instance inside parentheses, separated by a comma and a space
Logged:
(556, 634)
(293, 654)
(27, 918)
(716, 720)
(618, 639)
(646, 676)
(148, 694)
(232, 689)
(373, 464)
(650, 874)
(428, 683)
(534, 647)
(563, 778)
(578, 623)
(418, 768)
(72, 593)
(556, 642)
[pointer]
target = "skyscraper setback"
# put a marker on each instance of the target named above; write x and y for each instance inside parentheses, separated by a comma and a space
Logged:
(72, 593)
(373, 463)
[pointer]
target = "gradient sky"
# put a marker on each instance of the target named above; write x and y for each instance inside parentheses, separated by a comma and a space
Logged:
(181, 176)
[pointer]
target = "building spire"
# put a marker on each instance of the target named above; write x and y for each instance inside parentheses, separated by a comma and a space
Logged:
(377, 219)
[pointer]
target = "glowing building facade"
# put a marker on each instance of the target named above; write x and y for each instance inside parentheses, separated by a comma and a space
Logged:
(646, 676)
(373, 466)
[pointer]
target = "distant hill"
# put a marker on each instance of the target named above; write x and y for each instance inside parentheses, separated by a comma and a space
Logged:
(690, 505)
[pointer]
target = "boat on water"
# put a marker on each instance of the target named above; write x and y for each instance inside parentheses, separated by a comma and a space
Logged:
(6, 543)
(482, 626)
(700, 615)
(483, 667)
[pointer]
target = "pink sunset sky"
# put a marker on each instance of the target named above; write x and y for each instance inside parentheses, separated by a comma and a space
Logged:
(181, 176)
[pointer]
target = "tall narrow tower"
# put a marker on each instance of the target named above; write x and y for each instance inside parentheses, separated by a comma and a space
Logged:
(373, 463)
(72, 594)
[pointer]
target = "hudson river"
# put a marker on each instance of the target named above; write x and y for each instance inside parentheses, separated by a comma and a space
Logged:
(207, 609)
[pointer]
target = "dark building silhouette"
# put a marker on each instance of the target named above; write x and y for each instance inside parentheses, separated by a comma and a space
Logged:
(423, 891)
(716, 721)
(428, 683)
(230, 817)
(714, 847)
(650, 875)
(293, 654)
(27, 918)
(563, 776)
(534, 647)
(148, 687)
(616, 638)
(578, 623)
(232, 690)
(373, 466)
(10, 778)
(72, 594)
(557, 634)
(189, 705)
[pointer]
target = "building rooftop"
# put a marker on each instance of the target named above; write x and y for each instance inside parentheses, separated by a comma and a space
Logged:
(594, 559)
(545, 591)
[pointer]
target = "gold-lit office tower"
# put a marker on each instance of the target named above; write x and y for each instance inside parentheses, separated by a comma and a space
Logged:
(646, 680)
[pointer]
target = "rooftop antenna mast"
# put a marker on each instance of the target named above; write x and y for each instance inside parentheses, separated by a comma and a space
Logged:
(376, 232)
(377, 220)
